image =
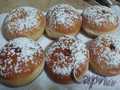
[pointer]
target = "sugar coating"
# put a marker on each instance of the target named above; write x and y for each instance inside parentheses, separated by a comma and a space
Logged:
(65, 64)
(23, 50)
(110, 49)
(22, 19)
(62, 14)
(100, 15)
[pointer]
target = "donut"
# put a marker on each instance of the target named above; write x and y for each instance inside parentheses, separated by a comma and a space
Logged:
(24, 22)
(67, 60)
(62, 19)
(21, 61)
(99, 20)
(105, 54)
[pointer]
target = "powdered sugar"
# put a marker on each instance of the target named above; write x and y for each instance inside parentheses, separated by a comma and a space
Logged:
(91, 80)
(100, 14)
(23, 50)
(77, 54)
(112, 57)
(22, 18)
(110, 48)
(62, 14)
(28, 47)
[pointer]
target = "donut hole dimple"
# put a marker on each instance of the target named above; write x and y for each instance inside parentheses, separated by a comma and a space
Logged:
(67, 52)
(103, 11)
(112, 47)
(18, 50)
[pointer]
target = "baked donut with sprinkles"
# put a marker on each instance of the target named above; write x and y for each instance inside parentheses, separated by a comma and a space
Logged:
(67, 60)
(99, 20)
(105, 54)
(21, 61)
(24, 22)
(62, 19)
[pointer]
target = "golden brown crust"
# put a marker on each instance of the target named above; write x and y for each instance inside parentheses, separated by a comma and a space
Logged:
(63, 19)
(62, 79)
(91, 28)
(21, 61)
(62, 64)
(104, 56)
(98, 20)
(21, 80)
(21, 23)
(80, 71)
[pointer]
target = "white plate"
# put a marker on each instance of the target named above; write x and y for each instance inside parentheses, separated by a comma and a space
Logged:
(90, 81)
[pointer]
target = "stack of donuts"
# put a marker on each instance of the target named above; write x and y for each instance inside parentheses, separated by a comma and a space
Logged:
(66, 60)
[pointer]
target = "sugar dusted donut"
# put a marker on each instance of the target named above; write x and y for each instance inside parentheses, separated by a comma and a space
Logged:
(105, 55)
(24, 22)
(67, 60)
(21, 61)
(62, 19)
(99, 20)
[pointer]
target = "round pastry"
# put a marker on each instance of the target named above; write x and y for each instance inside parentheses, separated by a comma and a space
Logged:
(21, 61)
(98, 20)
(24, 22)
(67, 60)
(105, 55)
(62, 20)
